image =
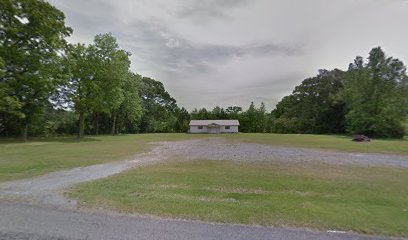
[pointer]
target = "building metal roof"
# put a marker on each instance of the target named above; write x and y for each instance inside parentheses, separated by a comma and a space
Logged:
(218, 122)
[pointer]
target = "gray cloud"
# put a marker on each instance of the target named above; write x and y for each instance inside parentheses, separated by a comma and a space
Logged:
(202, 10)
(172, 52)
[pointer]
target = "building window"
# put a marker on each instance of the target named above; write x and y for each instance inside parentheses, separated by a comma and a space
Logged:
(200, 127)
(227, 127)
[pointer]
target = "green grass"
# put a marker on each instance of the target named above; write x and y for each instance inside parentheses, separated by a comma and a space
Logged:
(39, 156)
(366, 200)
(336, 142)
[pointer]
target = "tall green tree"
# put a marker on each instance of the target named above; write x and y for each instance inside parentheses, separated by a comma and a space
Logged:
(183, 120)
(130, 111)
(81, 89)
(253, 119)
(218, 113)
(112, 74)
(158, 106)
(248, 118)
(10, 107)
(376, 95)
(233, 112)
(32, 36)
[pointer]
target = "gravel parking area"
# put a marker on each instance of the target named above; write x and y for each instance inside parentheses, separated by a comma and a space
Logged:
(222, 149)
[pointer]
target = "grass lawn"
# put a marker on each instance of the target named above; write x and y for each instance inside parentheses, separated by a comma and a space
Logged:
(39, 156)
(370, 200)
(337, 142)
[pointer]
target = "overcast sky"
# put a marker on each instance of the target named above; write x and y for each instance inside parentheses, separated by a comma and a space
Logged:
(232, 52)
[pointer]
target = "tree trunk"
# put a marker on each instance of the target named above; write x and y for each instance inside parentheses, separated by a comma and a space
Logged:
(114, 124)
(25, 132)
(97, 124)
(81, 124)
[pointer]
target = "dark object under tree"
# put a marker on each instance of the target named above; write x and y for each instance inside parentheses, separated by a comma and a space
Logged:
(361, 138)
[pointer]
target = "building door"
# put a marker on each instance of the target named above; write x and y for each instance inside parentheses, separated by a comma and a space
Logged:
(212, 130)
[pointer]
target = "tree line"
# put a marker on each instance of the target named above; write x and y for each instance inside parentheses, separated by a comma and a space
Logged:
(51, 87)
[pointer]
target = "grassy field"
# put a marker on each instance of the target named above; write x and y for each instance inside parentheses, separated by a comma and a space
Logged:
(365, 200)
(39, 156)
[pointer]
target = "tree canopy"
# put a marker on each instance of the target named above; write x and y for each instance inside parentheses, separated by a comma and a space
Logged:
(315, 106)
(376, 95)
(32, 39)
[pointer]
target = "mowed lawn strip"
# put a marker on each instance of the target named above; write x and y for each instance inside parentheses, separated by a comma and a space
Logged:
(335, 142)
(370, 200)
(39, 156)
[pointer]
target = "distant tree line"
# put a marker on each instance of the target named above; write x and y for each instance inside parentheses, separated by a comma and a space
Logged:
(51, 87)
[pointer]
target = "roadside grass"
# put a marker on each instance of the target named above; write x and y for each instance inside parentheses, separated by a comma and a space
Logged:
(38, 156)
(336, 142)
(370, 200)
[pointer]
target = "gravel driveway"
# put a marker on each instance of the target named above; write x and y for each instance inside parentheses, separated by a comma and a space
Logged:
(222, 149)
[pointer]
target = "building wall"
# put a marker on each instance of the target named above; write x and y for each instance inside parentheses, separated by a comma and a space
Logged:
(194, 129)
(233, 129)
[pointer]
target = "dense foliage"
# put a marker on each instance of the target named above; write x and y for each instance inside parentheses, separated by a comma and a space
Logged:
(376, 96)
(370, 98)
(32, 36)
(49, 87)
(314, 106)
(159, 107)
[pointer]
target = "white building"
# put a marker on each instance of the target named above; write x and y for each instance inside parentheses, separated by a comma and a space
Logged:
(214, 126)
